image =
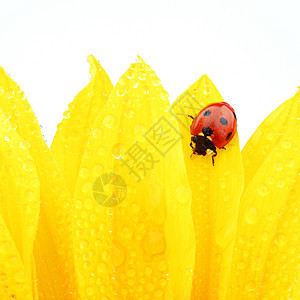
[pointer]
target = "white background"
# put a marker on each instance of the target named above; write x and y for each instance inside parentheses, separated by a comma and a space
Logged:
(249, 49)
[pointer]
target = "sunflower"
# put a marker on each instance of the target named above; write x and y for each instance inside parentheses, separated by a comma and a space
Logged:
(117, 209)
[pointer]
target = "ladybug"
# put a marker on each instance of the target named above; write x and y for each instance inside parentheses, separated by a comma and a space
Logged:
(212, 128)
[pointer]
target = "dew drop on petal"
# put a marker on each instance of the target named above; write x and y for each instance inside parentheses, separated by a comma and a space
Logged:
(250, 286)
(96, 133)
(286, 144)
(90, 291)
(251, 215)
(129, 113)
(120, 91)
(153, 242)
(118, 254)
(118, 150)
(101, 150)
(139, 129)
(262, 190)
(109, 121)
(183, 194)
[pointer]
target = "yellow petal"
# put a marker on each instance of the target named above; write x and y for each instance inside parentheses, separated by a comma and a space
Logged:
(15, 282)
(266, 261)
(133, 226)
(19, 192)
(216, 192)
(73, 132)
(53, 231)
(268, 134)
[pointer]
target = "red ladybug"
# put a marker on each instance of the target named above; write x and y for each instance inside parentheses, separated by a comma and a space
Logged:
(214, 126)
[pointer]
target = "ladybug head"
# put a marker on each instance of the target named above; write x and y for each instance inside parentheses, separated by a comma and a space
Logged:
(200, 148)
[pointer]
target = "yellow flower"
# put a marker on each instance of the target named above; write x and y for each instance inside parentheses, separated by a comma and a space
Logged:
(117, 209)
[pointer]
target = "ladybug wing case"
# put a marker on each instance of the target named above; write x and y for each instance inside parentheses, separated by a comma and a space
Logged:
(224, 126)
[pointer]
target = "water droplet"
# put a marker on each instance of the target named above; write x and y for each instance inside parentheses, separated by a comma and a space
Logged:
(121, 92)
(241, 265)
(28, 165)
(78, 204)
(129, 74)
(290, 163)
(265, 236)
(183, 194)
(226, 198)
(278, 166)
(250, 286)
(139, 130)
(251, 215)
(88, 203)
(66, 114)
(270, 136)
(118, 253)
(153, 242)
(281, 240)
(109, 121)
(286, 144)
(280, 183)
(97, 133)
(130, 282)
(14, 126)
(87, 188)
(159, 293)
(164, 95)
(90, 291)
(162, 266)
(10, 93)
(135, 208)
(101, 268)
(156, 81)
(142, 75)
(126, 232)
(130, 272)
(101, 151)
(126, 100)
(292, 250)
(202, 187)
(129, 113)
(145, 89)
(262, 190)
(148, 271)
(223, 185)
(98, 170)
(118, 150)
(84, 173)
(257, 264)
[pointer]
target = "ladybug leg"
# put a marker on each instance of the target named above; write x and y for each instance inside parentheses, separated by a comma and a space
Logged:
(223, 148)
(212, 158)
(192, 154)
(192, 145)
(191, 117)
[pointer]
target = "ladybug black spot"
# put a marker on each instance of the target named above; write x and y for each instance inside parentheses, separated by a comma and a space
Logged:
(206, 113)
(223, 121)
(207, 131)
(228, 136)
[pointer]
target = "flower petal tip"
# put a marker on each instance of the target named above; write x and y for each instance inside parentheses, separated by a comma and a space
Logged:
(140, 60)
